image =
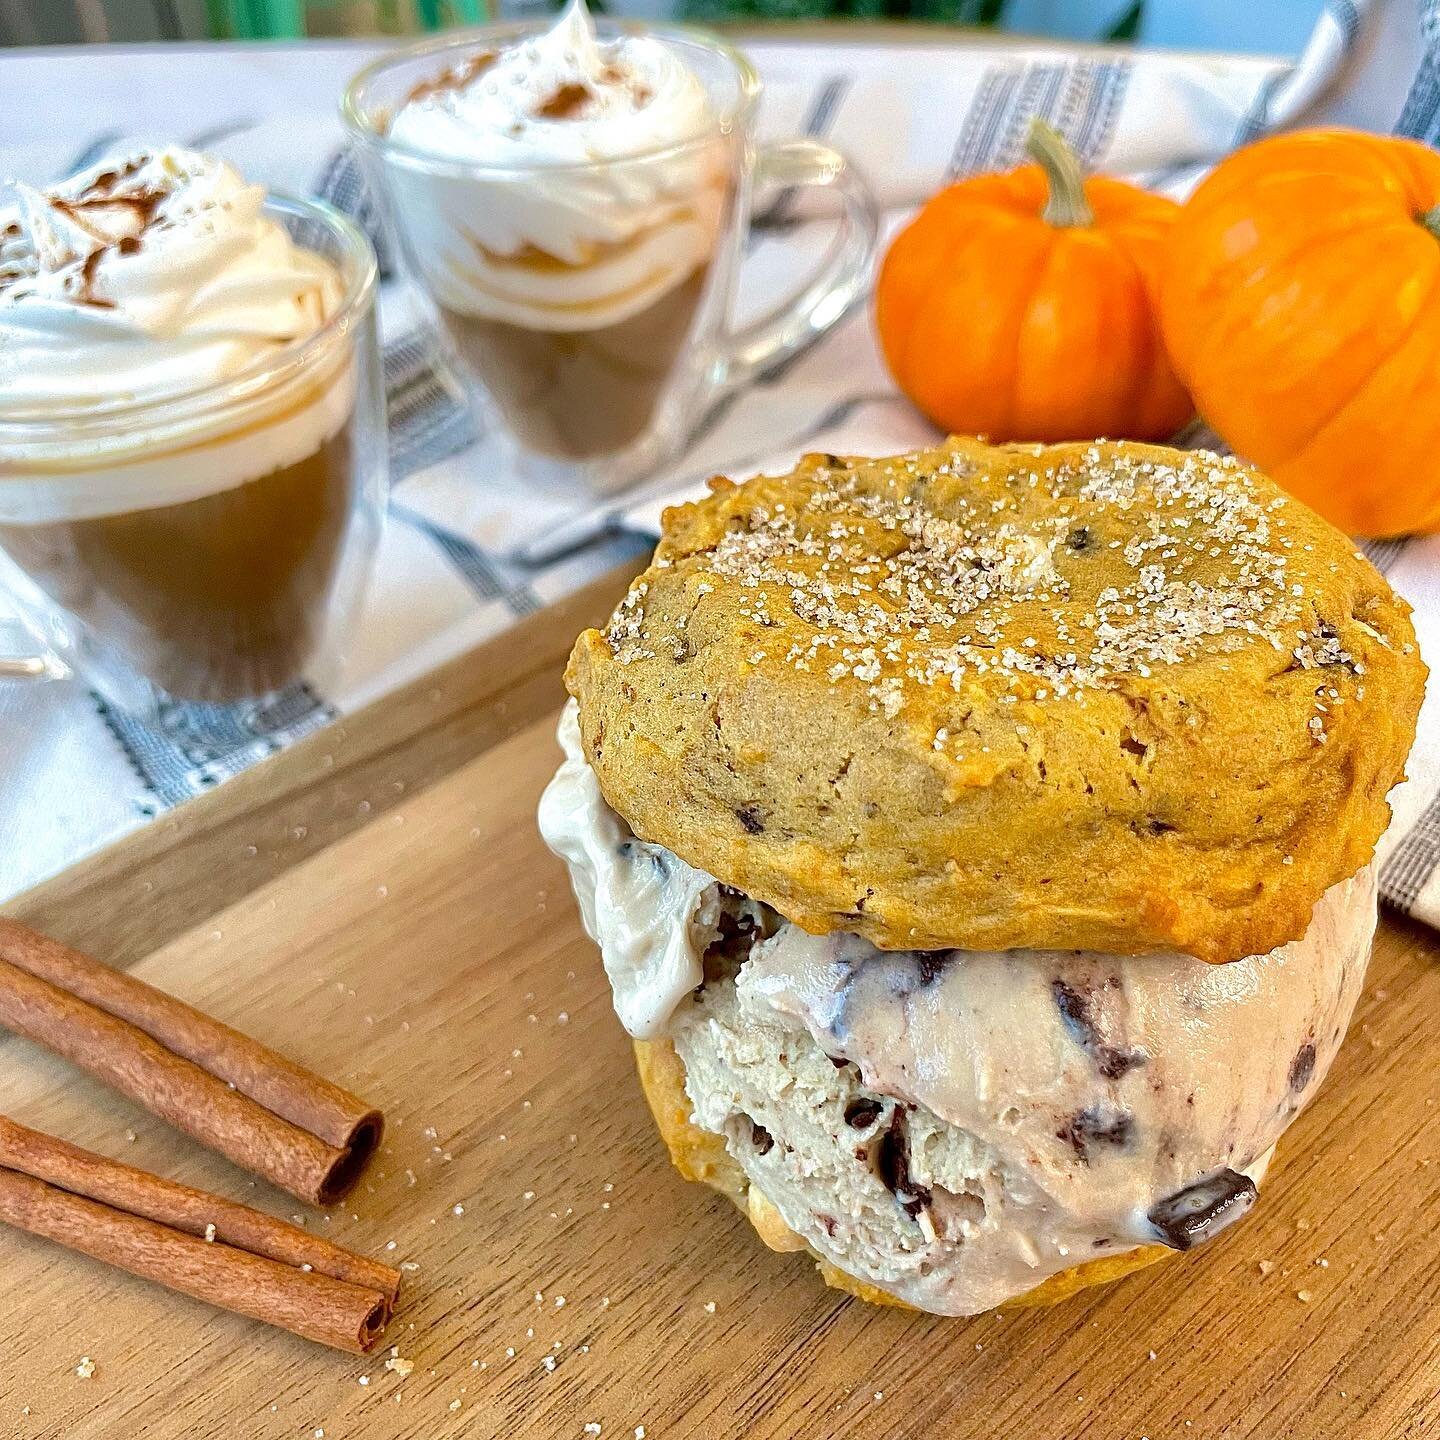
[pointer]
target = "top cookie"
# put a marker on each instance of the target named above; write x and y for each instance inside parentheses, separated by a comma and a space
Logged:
(1110, 697)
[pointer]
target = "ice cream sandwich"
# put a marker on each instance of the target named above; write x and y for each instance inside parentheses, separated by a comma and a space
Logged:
(979, 843)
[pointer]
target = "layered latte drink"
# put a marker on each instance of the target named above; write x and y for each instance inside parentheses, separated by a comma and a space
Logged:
(178, 460)
(562, 205)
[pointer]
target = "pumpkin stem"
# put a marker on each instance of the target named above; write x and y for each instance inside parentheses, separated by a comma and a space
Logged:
(1067, 204)
(1431, 221)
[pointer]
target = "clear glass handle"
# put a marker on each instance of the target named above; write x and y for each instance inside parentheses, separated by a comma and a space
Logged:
(843, 274)
(23, 658)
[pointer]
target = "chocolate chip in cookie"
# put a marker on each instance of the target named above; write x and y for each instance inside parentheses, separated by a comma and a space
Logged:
(1302, 1067)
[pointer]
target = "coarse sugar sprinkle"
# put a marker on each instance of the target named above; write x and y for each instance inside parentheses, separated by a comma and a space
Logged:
(1197, 559)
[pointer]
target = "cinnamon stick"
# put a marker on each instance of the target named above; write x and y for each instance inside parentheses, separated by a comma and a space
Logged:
(228, 1091)
(315, 1305)
(194, 1212)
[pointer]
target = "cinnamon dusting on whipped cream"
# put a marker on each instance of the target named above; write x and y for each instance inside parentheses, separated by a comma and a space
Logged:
(559, 97)
(75, 224)
(567, 145)
(456, 78)
(195, 281)
(566, 102)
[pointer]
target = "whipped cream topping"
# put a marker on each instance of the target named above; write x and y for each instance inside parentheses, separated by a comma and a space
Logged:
(146, 278)
(651, 914)
(561, 98)
(1057, 1106)
(608, 205)
(142, 280)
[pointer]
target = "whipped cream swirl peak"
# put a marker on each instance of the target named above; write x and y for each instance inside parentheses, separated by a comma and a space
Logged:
(145, 278)
(582, 179)
(562, 97)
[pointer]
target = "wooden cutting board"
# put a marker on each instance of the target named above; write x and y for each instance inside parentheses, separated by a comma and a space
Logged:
(377, 902)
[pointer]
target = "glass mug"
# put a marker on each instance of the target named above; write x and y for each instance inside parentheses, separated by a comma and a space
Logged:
(202, 548)
(595, 402)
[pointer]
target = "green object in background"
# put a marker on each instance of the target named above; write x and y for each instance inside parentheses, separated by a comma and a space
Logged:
(935, 12)
(285, 19)
(954, 12)
(431, 13)
(257, 19)
(1127, 27)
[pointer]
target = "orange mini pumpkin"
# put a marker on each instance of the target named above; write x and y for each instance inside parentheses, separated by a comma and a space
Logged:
(1019, 306)
(1301, 301)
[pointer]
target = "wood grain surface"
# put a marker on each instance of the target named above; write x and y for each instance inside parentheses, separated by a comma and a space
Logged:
(426, 953)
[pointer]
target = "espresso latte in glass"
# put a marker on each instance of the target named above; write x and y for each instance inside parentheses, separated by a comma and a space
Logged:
(573, 198)
(579, 393)
(567, 231)
(188, 427)
(213, 598)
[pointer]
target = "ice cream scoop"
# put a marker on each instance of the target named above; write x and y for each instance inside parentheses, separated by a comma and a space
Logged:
(1001, 1117)
(954, 1127)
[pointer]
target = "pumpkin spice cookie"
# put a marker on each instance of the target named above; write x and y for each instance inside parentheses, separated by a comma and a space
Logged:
(1107, 696)
(906, 800)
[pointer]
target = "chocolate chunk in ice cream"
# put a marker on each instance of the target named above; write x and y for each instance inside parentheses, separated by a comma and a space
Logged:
(930, 963)
(736, 936)
(862, 1112)
(1092, 1127)
(893, 1161)
(1201, 1210)
(1076, 1009)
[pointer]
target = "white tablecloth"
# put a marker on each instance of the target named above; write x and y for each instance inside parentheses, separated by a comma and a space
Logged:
(467, 552)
